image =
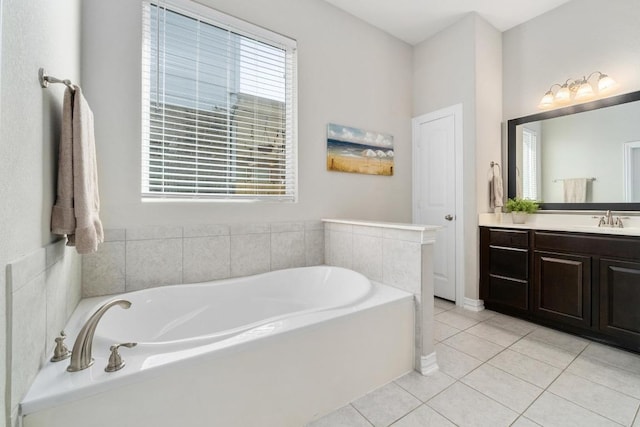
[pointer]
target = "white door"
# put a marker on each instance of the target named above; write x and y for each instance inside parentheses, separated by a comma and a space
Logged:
(434, 192)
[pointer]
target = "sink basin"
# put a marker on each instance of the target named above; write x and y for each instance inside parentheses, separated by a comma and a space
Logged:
(633, 231)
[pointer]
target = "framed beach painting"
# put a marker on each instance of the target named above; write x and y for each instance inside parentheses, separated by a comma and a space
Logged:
(359, 151)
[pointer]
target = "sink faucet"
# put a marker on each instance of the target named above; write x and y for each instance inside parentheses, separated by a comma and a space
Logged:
(81, 354)
(609, 217)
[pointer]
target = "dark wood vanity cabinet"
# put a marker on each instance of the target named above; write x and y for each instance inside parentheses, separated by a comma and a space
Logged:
(562, 287)
(588, 284)
(620, 300)
(505, 268)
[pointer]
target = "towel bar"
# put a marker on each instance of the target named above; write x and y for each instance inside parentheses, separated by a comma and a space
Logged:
(563, 179)
(45, 79)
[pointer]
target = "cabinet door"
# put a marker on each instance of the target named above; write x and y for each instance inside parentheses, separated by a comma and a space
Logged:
(562, 288)
(620, 300)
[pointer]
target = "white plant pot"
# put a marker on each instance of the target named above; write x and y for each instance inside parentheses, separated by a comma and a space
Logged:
(519, 217)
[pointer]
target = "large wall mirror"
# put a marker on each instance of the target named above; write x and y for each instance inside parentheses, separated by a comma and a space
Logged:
(583, 157)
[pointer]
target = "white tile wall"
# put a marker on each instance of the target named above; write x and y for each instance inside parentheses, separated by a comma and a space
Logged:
(139, 258)
(43, 288)
(154, 262)
(394, 257)
(206, 258)
(250, 254)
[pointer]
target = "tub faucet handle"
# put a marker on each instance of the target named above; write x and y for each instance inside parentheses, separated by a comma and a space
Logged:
(115, 360)
(61, 351)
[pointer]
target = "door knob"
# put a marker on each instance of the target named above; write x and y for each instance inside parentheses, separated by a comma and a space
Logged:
(448, 217)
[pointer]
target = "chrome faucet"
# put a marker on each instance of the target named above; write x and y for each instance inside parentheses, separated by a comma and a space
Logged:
(609, 217)
(81, 353)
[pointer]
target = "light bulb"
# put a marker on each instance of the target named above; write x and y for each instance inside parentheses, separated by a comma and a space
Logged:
(547, 100)
(585, 91)
(605, 82)
(564, 94)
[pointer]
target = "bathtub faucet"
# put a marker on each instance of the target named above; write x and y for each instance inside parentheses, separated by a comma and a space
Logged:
(81, 354)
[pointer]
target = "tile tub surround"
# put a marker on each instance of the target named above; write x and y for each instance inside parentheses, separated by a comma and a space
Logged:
(521, 385)
(43, 289)
(397, 255)
(137, 258)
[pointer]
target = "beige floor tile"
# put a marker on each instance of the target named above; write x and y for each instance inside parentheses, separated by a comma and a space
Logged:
(474, 346)
(637, 422)
(568, 342)
(442, 331)
(424, 416)
(437, 309)
(597, 398)
(525, 368)
(524, 422)
(494, 334)
(511, 391)
(511, 324)
(618, 358)
(602, 373)
(424, 387)
(480, 316)
(468, 407)
(443, 303)
(456, 320)
(453, 362)
(550, 410)
(385, 405)
(346, 416)
(544, 352)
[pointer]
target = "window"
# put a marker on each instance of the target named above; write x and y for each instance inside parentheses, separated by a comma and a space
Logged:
(218, 107)
(529, 164)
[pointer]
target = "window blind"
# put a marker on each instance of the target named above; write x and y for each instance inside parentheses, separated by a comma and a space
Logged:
(530, 164)
(218, 106)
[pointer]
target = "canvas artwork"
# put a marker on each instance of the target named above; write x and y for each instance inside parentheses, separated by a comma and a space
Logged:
(359, 151)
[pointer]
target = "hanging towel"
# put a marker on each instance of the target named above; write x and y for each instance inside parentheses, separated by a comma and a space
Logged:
(495, 190)
(575, 190)
(75, 213)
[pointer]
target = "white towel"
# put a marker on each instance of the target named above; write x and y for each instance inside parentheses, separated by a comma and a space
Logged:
(496, 191)
(77, 206)
(575, 190)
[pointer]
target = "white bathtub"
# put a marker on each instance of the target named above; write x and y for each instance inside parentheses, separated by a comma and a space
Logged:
(276, 349)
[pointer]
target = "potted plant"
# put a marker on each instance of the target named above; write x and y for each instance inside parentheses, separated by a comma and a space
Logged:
(519, 209)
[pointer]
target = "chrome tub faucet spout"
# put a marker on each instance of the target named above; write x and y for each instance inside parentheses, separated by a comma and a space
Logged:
(81, 353)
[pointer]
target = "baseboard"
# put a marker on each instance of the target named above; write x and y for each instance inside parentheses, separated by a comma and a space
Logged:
(428, 364)
(473, 304)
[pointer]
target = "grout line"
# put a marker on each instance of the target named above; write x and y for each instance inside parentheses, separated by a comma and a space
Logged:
(361, 414)
(637, 418)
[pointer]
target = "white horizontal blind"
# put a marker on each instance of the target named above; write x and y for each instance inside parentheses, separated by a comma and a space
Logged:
(218, 107)
(530, 164)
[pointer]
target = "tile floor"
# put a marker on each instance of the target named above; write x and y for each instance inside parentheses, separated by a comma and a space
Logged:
(496, 370)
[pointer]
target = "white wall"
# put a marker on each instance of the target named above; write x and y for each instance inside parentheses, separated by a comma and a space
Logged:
(462, 64)
(349, 73)
(35, 33)
(568, 42)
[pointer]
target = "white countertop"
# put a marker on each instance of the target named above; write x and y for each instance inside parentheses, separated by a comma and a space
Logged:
(578, 223)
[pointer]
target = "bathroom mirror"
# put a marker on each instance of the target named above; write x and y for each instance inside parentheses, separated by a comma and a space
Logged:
(582, 157)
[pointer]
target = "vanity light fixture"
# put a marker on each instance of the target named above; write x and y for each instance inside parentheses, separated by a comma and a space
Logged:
(579, 90)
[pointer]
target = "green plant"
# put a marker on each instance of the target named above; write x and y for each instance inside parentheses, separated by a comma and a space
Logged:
(521, 205)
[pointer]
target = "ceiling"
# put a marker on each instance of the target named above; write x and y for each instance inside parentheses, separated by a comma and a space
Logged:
(416, 20)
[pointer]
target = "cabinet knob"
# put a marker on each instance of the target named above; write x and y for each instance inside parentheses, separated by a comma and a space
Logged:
(448, 217)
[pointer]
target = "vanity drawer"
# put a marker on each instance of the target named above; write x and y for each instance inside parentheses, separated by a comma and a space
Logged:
(509, 262)
(513, 238)
(622, 247)
(510, 292)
